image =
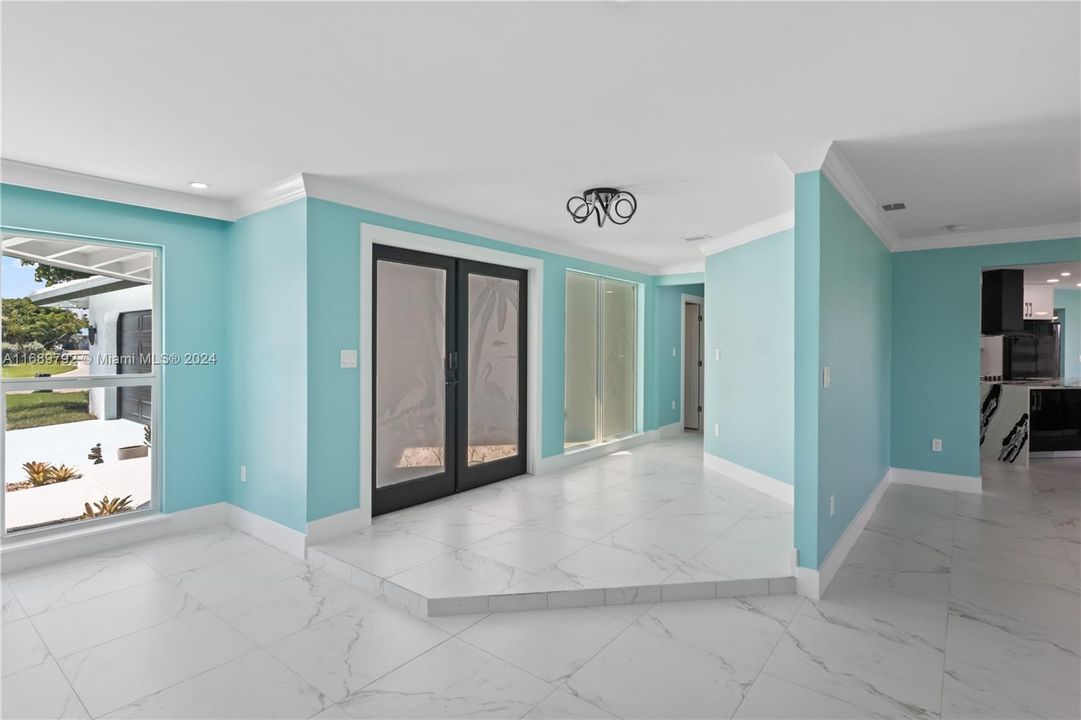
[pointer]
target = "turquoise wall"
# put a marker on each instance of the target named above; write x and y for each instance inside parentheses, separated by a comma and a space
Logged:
(194, 317)
(843, 297)
(936, 357)
(854, 342)
(807, 287)
(268, 346)
(668, 321)
(751, 304)
(334, 423)
(1069, 300)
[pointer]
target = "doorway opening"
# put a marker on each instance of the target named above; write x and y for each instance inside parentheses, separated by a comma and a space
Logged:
(693, 365)
(449, 375)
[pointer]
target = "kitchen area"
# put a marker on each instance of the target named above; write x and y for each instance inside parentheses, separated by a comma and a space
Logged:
(1030, 389)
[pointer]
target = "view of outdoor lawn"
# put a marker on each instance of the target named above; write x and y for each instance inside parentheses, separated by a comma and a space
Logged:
(72, 451)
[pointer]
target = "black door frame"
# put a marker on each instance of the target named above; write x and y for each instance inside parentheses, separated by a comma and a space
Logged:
(456, 476)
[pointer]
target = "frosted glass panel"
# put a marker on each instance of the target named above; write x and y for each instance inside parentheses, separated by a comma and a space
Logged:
(493, 369)
(410, 390)
(580, 421)
(618, 378)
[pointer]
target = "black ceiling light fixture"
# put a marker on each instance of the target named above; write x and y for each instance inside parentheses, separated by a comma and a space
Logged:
(606, 203)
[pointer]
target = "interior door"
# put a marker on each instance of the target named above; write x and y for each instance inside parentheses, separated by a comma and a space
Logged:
(449, 376)
(692, 367)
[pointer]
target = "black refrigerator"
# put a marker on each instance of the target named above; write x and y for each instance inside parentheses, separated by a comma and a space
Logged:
(1033, 353)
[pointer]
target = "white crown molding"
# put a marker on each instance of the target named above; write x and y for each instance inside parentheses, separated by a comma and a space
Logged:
(280, 193)
(698, 266)
(769, 226)
(989, 237)
(364, 199)
(14, 172)
(807, 158)
(852, 189)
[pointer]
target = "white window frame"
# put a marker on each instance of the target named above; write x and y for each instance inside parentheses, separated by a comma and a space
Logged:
(153, 379)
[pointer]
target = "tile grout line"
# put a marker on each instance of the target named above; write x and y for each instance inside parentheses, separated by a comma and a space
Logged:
(777, 644)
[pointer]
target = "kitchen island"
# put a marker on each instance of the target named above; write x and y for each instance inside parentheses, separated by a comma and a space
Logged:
(1023, 419)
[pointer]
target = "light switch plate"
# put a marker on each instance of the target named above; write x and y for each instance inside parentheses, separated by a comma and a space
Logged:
(349, 358)
(673, 352)
(716, 353)
(936, 445)
(826, 376)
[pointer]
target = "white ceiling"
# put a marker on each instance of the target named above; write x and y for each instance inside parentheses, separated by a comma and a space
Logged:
(968, 112)
(1040, 274)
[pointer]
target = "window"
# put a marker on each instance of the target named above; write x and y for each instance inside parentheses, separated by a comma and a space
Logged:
(601, 379)
(80, 381)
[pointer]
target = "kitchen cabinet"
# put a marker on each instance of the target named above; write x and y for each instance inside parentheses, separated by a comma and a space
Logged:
(1055, 420)
(1039, 302)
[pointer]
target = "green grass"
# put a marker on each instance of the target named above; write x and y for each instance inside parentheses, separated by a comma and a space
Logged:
(29, 370)
(29, 410)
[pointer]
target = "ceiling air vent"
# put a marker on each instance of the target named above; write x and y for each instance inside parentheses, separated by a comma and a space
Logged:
(696, 238)
(893, 206)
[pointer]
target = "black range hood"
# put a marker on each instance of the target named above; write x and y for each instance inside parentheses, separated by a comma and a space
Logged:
(1003, 302)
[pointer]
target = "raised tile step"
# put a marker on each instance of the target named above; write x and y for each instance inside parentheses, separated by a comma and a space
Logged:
(420, 604)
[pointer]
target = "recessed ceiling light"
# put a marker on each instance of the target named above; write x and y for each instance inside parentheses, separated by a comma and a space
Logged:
(1065, 274)
(957, 228)
(199, 185)
(1052, 280)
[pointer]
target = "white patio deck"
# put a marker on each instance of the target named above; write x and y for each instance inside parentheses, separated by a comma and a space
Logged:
(68, 444)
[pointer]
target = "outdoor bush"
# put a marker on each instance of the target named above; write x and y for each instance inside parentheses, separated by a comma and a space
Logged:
(63, 474)
(42, 473)
(38, 473)
(107, 506)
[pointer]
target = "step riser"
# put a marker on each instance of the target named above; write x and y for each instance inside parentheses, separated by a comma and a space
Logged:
(555, 599)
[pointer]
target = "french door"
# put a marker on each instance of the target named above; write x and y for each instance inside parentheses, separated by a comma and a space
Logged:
(449, 376)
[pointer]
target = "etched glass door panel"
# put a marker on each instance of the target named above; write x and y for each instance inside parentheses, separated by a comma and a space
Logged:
(410, 389)
(619, 378)
(493, 376)
(581, 365)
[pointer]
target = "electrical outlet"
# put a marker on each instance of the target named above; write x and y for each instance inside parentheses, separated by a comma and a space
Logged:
(832, 506)
(673, 352)
(716, 430)
(936, 445)
(243, 473)
(716, 353)
(826, 376)
(348, 358)
(673, 404)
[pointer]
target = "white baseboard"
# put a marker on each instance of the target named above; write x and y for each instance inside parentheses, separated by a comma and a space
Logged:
(837, 555)
(751, 478)
(272, 533)
(339, 524)
(671, 430)
(807, 583)
(938, 481)
(39, 549)
(556, 463)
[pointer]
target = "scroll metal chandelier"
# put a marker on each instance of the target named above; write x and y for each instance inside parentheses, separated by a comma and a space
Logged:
(605, 203)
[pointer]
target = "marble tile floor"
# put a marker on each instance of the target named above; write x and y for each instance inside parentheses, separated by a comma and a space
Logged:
(642, 525)
(949, 606)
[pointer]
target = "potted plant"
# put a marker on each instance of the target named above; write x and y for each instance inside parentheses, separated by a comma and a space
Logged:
(134, 451)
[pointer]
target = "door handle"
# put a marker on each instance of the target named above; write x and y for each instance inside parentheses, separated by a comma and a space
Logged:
(452, 368)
